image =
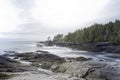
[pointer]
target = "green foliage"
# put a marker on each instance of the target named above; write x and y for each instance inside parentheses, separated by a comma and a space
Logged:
(58, 38)
(109, 32)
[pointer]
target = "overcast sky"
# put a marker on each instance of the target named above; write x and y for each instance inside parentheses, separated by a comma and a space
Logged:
(38, 19)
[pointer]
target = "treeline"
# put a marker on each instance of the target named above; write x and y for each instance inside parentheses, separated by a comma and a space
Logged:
(109, 32)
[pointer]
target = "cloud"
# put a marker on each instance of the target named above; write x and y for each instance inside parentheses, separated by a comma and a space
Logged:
(25, 7)
(41, 18)
(66, 12)
(8, 16)
(23, 4)
(112, 9)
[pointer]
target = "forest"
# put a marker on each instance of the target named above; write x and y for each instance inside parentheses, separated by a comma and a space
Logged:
(109, 32)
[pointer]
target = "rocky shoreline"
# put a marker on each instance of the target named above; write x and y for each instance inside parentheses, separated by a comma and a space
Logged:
(45, 66)
(93, 47)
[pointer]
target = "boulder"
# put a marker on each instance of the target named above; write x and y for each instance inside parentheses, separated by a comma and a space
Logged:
(99, 44)
(42, 51)
(90, 70)
(4, 76)
(82, 59)
(9, 65)
(45, 59)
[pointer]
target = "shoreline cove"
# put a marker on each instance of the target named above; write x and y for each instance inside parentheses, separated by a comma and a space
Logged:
(60, 63)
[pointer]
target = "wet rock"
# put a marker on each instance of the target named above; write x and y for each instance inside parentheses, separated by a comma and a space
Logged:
(80, 67)
(82, 59)
(10, 65)
(46, 65)
(10, 51)
(54, 67)
(4, 76)
(91, 70)
(6, 64)
(94, 47)
(39, 45)
(41, 57)
(16, 57)
(42, 51)
(99, 44)
(45, 59)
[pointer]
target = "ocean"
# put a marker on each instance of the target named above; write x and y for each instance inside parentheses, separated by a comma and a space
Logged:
(31, 46)
(17, 45)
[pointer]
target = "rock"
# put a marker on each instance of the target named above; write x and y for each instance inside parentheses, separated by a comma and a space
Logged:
(6, 64)
(113, 49)
(60, 69)
(10, 51)
(9, 65)
(54, 67)
(42, 51)
(16, 57)
(45, 59)
(81, 68)
(49, 43)
(41, 57)
(26, 54)
(39, 45)
(90, 70)
(99, 44)
(94, 47)
(4, 76)
(82, 59)
(46, 65)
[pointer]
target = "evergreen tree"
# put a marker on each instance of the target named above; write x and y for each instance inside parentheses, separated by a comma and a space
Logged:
(109, 32)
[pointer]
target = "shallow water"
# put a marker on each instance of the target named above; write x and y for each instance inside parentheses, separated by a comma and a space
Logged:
(17, 45)
(28, 46)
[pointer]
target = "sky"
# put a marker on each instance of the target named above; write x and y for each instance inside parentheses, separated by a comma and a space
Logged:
(39, 19)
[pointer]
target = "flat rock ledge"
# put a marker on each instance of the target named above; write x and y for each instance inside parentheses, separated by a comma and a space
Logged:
(75, 68)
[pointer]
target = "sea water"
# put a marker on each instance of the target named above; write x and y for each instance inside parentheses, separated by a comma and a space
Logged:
(17, 45)
(31, 46)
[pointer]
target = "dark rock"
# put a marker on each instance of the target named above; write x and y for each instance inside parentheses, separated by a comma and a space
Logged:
(93, 47)
(39, 45)
(40, 57)
(16, 57)
(10, 51)
(113, 49)
(46, 65)
(42, 51)
(4, 76)
(45, 59)
(77, 59)
(24, 54)
(99, 44)
(6, 59)
(55, 67)
(82, 59)
(9, 65)
(49, 43)
(6, 64)
(91, 70)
